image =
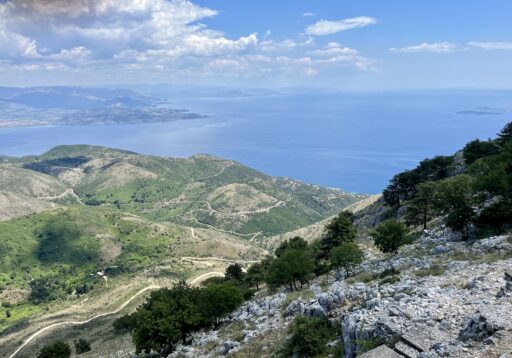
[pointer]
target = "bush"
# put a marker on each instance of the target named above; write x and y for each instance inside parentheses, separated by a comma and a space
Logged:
(58, 349)
(390, 235)
(476, 150)
(346, 256)
(82, 346)
(308, 337)
(460, 219)
(495, 217)
(218, 300)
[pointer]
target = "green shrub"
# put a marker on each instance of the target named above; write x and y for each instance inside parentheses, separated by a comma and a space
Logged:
(308, 337)
(346, 256)
(58, 349)
(390, 235)
(495, 217)
(82, 346)
(476, 149)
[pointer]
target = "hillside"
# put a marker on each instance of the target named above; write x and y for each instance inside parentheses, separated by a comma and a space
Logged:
(80, 222)
(201, 191)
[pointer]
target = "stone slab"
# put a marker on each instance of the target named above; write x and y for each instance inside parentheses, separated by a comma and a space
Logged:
(405, 350)
(381, 352)
(508, 275)
(417, 339)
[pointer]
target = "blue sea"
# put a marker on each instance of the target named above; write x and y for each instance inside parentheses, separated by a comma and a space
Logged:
(352, 141)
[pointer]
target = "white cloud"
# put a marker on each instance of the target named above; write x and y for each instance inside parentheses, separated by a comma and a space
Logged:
(325, 27)
(75, 53)
(437, 47)
(491, 45)
(335, 49)
(155, 40)
(308, 14)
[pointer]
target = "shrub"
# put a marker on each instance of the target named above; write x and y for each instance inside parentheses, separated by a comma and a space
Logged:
(346, 256)
(308, 337)
(476, 150)
(58, 349)
(495, 217)
(390, 235)
(218, 300)
(82, 346)
(460, 219)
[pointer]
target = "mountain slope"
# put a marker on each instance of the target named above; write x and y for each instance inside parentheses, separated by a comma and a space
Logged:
(200, 191)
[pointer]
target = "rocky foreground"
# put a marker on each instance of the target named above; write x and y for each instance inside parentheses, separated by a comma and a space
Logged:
(439, 297)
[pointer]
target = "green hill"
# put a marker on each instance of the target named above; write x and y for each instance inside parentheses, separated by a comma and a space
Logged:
(200, 191)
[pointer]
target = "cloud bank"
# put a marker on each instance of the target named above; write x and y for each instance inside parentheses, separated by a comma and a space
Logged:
(156, 38)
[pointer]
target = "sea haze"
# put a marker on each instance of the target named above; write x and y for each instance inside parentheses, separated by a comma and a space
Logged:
(353, 141)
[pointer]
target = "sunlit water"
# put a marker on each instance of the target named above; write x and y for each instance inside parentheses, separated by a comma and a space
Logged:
(352, 141)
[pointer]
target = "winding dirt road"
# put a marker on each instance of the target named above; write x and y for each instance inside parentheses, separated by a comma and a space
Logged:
(119, 309)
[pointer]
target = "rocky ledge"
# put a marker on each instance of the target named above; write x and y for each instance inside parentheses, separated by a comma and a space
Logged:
(447, 298)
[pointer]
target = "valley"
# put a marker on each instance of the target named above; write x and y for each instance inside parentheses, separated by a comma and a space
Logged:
(87, 231)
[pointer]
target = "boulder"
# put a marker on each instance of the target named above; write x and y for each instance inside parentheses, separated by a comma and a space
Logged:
(477, 328)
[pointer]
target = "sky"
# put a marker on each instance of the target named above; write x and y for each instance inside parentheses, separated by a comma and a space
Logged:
(343, 44)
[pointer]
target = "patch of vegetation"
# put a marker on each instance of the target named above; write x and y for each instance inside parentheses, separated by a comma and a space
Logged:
(440, 186)
(170, 315)
(308, 337)
(82, 346)
(58, 349)
(390, 235)
(435, 269)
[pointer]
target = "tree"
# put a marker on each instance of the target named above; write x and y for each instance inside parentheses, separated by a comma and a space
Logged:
(219, 300)
(7, 314)
(454, 197)
(476, 149)
(403, 185)
(346, 256)
(390, 235)
(341, 229)
(166, 318)
(234, 272)
(454, 193)
(255, 275)
(58, 349)
(294, 243)
(495, 217)
(505, 135)
(293, 265)
(82, 346)
(459, 220)
(494, 175)
(307, 337)
(419, 208)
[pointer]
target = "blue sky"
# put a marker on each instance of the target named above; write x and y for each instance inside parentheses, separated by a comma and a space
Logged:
(347, 44)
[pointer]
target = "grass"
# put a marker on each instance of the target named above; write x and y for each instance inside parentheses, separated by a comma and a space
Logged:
(19, 313)
(304, 294)
(435, 269)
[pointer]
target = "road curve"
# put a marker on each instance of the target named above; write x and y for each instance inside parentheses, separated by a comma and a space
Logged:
(78, 323)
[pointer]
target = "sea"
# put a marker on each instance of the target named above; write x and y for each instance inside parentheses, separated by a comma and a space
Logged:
(352, 141)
